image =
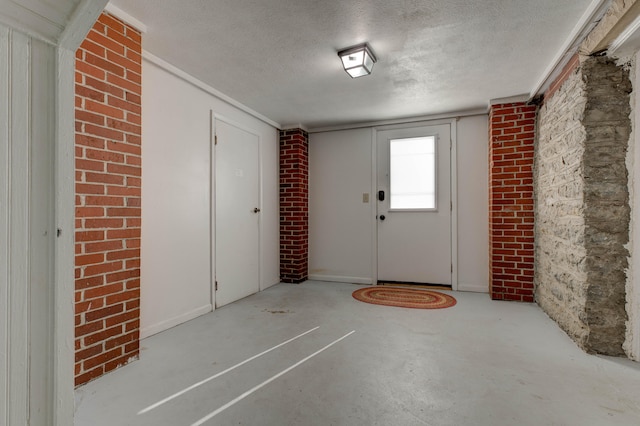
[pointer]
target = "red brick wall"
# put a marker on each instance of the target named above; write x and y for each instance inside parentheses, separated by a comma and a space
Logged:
(511, 214)
(108, 176)
(294, 205)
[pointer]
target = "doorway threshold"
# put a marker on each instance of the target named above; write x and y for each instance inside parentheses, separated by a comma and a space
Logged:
(415, 285)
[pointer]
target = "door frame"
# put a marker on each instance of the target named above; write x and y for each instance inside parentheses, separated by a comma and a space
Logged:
(213, 117)
(454, 191)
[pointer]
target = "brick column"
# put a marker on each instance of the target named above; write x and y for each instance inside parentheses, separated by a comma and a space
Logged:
(108, 177)
(511, 206)
(294, 205)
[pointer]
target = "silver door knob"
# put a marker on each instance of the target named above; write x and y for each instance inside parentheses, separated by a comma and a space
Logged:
(256, 210)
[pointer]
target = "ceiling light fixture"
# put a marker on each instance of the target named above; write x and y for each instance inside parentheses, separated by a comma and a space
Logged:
(357, 60)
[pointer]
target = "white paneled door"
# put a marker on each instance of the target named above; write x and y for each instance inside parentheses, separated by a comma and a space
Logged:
(414, 204)
(237, 213)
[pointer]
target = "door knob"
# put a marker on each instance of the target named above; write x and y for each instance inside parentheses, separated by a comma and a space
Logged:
(382, 217)
(256, 210)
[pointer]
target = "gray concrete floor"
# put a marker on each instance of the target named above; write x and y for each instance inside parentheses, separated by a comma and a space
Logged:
(478, 363)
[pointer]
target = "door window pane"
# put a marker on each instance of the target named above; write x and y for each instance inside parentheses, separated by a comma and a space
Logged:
(413, 173)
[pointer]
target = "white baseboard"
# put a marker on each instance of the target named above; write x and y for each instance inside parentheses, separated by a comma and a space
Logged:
(341, 279)
(474, 288)
(172, 322)
(264, 287)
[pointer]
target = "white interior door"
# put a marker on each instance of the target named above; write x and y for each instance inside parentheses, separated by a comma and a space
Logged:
(414, 204)
(237, 213)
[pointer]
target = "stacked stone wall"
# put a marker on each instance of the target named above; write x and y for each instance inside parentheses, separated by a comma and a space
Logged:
(561, 275)
(582, 208)
(608, 126)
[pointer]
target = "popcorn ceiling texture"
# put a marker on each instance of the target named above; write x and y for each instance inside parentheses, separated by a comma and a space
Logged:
(434, 56)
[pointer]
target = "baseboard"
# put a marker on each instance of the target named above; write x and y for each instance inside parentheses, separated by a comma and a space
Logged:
(172, 322)
(473, 288)
(341, 279)
(269, 285)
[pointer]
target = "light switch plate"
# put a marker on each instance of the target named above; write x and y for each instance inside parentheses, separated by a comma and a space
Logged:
(365, 197)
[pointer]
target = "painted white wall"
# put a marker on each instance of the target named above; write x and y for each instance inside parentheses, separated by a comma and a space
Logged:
(342, 228)
(37, 43)
(26, 225)
(177, 256)
(632, 341)
(340, 224)
(473, 204)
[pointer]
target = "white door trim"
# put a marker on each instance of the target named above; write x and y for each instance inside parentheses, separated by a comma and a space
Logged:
(453, 169)
(452, 122)
(212, 210)
(373, 197)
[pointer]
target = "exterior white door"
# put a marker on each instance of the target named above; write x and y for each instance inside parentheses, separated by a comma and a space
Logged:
(414, 204)
(237, 213)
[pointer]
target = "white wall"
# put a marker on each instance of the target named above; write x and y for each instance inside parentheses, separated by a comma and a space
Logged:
(340, 224)
(473, 204)
(27, 105)
(632, 342)
(177, 253)
(36, 210)
(342, 227)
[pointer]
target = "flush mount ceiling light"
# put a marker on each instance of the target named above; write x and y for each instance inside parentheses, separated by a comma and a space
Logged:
(357, 60)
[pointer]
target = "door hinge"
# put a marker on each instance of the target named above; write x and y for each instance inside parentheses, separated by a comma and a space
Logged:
(452, 268)
(451, 205)
(215, 140)
(216, 286)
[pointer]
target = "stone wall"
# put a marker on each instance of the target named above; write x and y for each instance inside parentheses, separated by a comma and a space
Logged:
(559, 186)
(582, 208)
(608, 127)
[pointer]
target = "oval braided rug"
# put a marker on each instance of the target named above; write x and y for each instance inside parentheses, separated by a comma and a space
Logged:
(404, 297)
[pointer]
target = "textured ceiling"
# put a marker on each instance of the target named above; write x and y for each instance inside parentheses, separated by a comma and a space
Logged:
(278, 57)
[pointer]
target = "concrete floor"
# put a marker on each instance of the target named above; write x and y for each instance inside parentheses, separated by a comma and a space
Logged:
(478, 363)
